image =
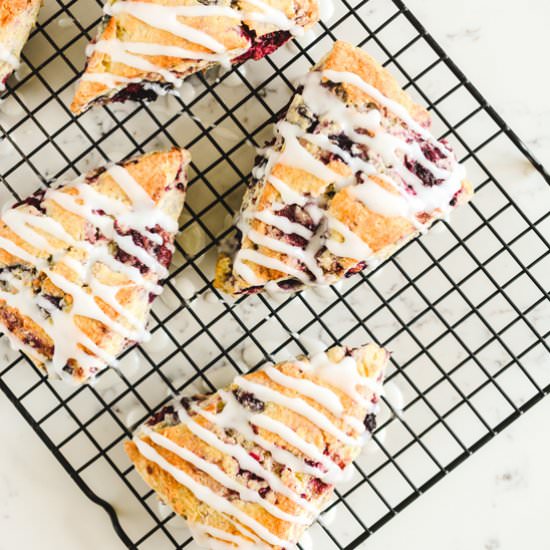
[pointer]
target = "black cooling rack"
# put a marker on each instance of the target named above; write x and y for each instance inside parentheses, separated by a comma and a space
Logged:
(464, 308)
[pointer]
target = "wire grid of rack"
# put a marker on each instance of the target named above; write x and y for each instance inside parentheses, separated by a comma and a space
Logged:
(464, 309)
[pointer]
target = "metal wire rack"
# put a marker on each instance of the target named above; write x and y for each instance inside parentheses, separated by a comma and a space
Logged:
(465, 308)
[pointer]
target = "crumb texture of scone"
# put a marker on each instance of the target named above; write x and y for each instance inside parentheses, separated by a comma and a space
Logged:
(147, 47)
(254, 464)
(17, 18)
(81, 262)
(352, 174)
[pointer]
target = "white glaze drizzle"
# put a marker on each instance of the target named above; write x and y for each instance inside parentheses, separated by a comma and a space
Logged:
(24, 301)
(396, 108)
(7, 56)
(272, 16)
(245, 460)
(17, 251)
(344, 376)
(207, 536)
(296, 156)
(284, 224)
(355, 424)
(238, 418)
(288, 194)
(108, 79)
(272, 263)
(299, 406)
(235, 417)
(332, 470)
(324, 396)
(20, 223)
(290, 250)
(221, 477)
(387, 149)
(118, 51)
(167, 18)
(351, 245)
(59, 324)
(206, 495)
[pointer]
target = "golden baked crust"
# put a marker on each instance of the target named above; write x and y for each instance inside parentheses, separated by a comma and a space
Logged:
(12, 9)
(304, 12)
(182, 436)
(17, 18)
(345, 57)
(357, 157)
(68, 250)
(238, 38)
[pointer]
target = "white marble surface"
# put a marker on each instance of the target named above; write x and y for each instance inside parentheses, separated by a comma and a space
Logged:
(494, 501)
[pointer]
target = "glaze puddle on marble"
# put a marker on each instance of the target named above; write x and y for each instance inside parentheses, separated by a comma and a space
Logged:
(462, 308)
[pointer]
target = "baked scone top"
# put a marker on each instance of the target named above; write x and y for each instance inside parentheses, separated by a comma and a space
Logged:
(146, 46)
(17, 18)
(255, 463)
(10, 10)
(353, 171)
(80, 263)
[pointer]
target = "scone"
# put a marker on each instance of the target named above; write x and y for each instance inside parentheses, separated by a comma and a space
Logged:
(80, 263)
(352, 173)
(17, 18)
(147, 47)
(254, 464)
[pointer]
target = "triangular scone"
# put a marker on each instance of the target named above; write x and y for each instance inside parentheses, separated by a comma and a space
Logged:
(255, 463)
(353, 173)
(80, 263)
(17, 18)
(147, 47)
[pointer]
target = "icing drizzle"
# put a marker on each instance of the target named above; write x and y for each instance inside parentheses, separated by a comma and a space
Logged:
(7, 56)
(371, 145)
(75, 266)
(317, 384)
(168, 18)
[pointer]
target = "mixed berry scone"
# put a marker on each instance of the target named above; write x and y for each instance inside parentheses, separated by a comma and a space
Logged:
(352, 173)
(80, 263)
(254, 464)
(17, 18)
(147, 47)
